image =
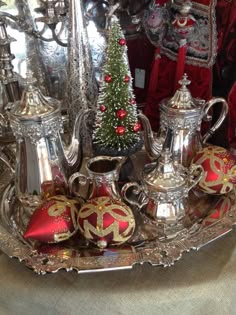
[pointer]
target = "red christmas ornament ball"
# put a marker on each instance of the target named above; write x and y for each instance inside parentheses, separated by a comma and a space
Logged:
(103, 108)
(121, 113)
(108, 78)
(133, 101)
(137, 126)
(126, 79)
(122, 41)
(219, 170)
(106, 221)
(120, 130)
(54, 221)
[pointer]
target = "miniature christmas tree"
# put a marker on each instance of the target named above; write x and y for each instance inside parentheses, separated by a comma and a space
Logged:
(116, 124)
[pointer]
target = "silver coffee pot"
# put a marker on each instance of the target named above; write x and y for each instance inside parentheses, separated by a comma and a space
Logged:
(180, 118)
(164, 189)
(43, 165)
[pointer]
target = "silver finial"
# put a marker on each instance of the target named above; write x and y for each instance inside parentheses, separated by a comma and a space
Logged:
(30, 79)
(184, 82)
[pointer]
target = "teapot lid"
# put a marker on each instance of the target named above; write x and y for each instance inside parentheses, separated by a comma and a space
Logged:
(33, 104)
(165, 176)
(182, 99)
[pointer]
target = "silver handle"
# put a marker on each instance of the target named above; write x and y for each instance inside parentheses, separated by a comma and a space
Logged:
(82, 179)
(136, 189)
(195, 178)
(220, 120)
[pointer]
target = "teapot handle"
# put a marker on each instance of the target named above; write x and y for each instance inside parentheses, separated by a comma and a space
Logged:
(194, 179)
(137, 189)
(83, 180)
(223, 114)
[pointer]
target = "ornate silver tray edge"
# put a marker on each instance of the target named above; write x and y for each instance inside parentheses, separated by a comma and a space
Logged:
(155, 253)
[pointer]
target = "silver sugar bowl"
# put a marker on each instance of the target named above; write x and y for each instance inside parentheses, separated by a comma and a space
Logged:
(164, 189)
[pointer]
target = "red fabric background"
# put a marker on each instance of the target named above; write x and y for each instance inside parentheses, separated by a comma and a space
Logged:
(232, 114)
(140, 53)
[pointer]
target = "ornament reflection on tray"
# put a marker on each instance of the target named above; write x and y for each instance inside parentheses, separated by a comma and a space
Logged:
(208, 218)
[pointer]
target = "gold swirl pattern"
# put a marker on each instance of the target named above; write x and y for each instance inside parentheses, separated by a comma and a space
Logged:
(100, 206)
(220, 164)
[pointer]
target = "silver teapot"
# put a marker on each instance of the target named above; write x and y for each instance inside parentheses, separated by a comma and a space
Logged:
(180, 118)
(43, 166)
(164, 189)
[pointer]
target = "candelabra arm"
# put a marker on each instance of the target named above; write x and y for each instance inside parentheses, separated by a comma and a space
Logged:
(25, 27)
(57, 40)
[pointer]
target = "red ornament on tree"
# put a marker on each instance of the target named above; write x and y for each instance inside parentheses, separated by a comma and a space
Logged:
(122, 42)
(126, 79)
(121, 113)
(103, 108)
(120, 130)
(220, 170)
(106, 221)
(137, 126)
(108, 78)
(132, 101)
(54, 221)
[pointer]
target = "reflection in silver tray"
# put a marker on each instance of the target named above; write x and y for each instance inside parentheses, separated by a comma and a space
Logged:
(209, 218)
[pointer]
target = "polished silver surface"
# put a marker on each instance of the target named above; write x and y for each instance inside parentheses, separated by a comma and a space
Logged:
(81, 88)
(208, 218)
(43, 165)
(181, 117)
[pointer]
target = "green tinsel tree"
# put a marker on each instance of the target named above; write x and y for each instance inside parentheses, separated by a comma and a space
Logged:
(116, 124)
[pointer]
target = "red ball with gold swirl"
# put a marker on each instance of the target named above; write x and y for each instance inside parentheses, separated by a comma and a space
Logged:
(219, 167)
(106, 221)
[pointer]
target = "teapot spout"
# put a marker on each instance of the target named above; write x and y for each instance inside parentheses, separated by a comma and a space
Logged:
(74, 153)
(153, 146)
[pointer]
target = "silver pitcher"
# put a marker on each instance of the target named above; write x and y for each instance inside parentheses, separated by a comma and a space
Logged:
(103, 174)
(180, 118)
(43, 166)
(164, 189)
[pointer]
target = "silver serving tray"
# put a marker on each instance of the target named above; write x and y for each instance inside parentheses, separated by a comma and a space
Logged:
(209, 218)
